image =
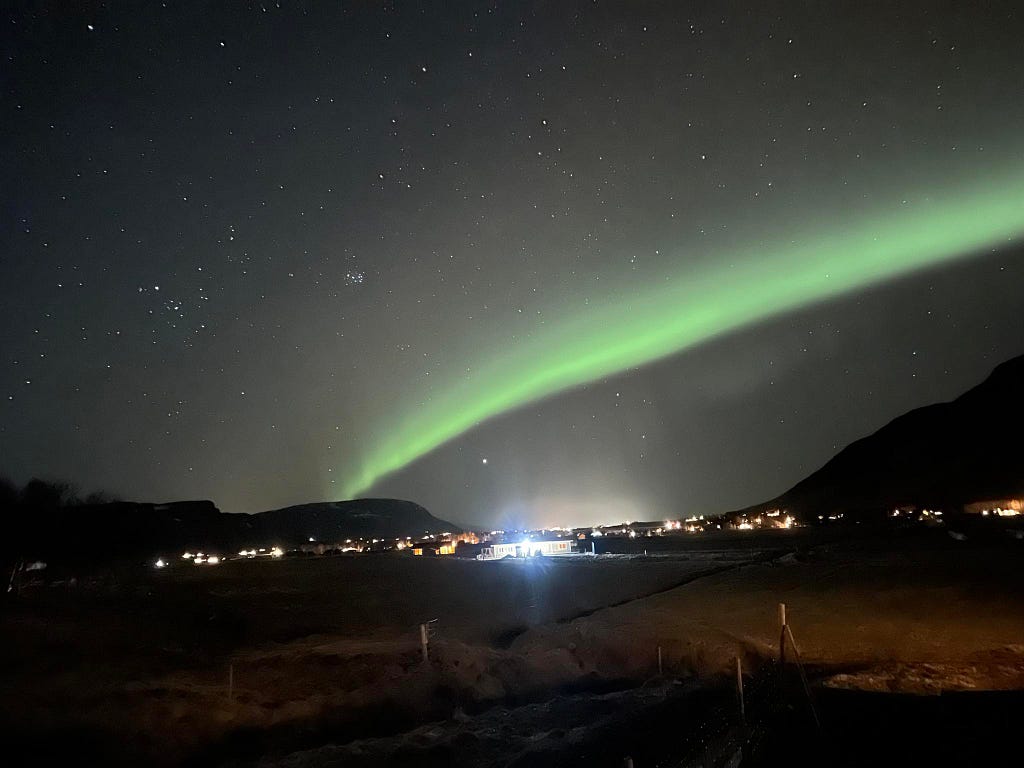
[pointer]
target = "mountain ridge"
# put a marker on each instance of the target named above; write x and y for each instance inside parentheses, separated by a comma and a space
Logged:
(941, 455)
(125, 529)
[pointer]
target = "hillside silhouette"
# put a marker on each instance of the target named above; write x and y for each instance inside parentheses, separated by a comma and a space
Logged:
(47, 521)
(941, 456)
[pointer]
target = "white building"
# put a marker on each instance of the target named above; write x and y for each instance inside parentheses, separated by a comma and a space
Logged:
(526, 549)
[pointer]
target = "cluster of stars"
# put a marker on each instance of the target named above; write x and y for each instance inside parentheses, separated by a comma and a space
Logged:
(378, 213)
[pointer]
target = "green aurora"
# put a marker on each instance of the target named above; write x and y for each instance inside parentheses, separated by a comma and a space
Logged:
(697, 305)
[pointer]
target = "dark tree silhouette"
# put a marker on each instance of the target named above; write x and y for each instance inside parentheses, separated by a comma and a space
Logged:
(47, 495)
(46, 520)
(96, 498)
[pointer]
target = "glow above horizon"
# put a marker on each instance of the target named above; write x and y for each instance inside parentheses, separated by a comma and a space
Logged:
(697, 305)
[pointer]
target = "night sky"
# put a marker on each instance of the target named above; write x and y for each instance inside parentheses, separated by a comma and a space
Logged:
(523, 263)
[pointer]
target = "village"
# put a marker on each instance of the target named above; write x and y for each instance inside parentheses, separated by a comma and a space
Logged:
(627, 537)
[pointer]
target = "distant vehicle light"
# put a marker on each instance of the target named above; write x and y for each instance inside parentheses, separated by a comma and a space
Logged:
(213, 560)
(160, 563)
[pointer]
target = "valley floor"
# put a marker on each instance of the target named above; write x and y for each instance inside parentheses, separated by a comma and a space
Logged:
(317, 661)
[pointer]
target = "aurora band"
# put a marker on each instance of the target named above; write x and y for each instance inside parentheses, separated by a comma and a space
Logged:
(738, 289)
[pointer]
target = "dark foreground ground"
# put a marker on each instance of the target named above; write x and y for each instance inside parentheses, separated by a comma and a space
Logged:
(913, 646)
(954, 728)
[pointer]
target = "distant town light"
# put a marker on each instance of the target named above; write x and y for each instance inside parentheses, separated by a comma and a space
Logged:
(160, 563)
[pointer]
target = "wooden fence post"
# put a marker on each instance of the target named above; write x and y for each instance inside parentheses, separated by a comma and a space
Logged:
(739, 690)
(423, 642)
(782, 634)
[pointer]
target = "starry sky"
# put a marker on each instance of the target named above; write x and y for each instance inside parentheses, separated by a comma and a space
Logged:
(526, 263)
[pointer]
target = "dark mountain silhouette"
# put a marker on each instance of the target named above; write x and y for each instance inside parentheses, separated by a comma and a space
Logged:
(338, 520)
(79, 532)
(939, 456)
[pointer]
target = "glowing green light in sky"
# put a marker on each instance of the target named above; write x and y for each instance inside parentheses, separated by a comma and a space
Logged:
(698, 304)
